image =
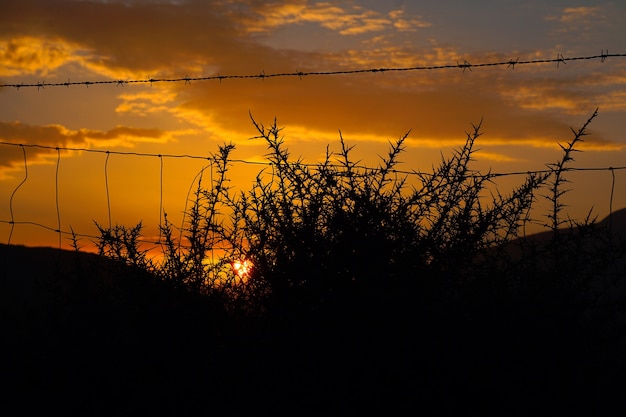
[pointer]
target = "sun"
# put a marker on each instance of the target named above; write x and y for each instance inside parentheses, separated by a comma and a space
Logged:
(242, 268)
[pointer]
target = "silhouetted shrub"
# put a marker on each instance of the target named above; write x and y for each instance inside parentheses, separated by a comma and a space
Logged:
(336, 233)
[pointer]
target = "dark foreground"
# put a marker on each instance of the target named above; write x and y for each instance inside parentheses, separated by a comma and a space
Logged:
(83, 336)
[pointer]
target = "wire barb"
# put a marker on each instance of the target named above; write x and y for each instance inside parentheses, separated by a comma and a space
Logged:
(465, 65)
(604, 55)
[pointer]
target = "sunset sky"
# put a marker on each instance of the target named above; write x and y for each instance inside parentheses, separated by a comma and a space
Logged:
(526, 110)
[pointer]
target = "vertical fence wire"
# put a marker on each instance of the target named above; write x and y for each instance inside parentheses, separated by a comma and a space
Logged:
(197, 180)
(106, 185)
(13, 194)
(161, 214)
(212, 231)
(56, 194)
(611, 198)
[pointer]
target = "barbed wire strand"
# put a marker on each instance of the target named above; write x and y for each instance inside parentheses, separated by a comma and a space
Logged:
(197, 178)
(73, 234)
(367, 169)
(511, 63)
(560, 59)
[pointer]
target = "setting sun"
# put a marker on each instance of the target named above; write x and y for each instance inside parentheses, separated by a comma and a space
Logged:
(242, 269)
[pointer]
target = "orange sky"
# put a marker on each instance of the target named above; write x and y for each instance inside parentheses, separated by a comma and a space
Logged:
(526, 110)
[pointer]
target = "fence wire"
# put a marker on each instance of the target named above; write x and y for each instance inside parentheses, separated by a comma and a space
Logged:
(465, 65)
(211, 160)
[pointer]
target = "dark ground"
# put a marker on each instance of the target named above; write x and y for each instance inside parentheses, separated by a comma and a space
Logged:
(85, 336)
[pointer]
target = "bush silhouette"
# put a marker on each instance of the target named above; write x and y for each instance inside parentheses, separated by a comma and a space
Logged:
(404, 286)
(318, 233)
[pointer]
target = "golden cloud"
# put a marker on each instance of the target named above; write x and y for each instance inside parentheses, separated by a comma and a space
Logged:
(438, 105)
(376, 107)
(273, 15)
(614, 101)
(265, 17)
(41, 141)
(573, 95)
(146, 102)
(497, 157)
(571, 14)
(582, 21)
(407, 25)
(136, 40)
(36, 55)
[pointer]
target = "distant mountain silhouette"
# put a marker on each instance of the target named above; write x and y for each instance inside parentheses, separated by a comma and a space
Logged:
(592, 238)
(29, 272)
(43, 277)
(84, 335)
(614, 222)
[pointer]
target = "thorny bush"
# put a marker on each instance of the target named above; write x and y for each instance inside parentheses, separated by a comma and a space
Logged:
(325, 234)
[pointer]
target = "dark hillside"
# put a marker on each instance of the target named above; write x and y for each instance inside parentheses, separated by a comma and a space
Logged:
(84, 335)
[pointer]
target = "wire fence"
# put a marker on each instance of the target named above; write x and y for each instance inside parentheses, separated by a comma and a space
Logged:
(465, 65)
(57, 228)
(210, 164)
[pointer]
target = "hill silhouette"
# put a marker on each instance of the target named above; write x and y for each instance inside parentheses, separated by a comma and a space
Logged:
(85, 335)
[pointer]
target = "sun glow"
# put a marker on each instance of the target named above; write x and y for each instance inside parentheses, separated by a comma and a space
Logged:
(242, 269)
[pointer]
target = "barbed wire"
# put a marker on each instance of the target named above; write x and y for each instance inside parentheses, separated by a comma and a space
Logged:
(365, 170)
(560, 59)
(465, 65)
(213, 159)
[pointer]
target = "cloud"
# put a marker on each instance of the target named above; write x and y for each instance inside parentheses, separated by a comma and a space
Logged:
(41, 141)
(383, 106)
(587, 24)
(143, 40)
(383, 52)
(497, 157)
(576, 14)
(335, 18)
(575, 95)
(134, 39)
(355, 20)
(146, 102)
(407, 25)
(57, 135)
(614, 101)
(41, 56)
